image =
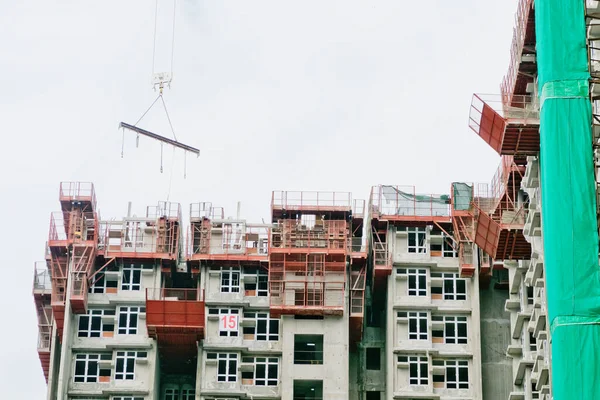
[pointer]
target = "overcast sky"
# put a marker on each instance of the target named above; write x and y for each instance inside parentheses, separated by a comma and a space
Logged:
(304, 95)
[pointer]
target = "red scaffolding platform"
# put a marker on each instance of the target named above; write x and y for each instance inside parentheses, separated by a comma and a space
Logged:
(501, 215)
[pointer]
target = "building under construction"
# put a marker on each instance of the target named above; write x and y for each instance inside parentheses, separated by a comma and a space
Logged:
(408, 295)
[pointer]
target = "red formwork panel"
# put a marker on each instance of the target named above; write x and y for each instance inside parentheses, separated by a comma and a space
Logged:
(182, 314)
(487, 234)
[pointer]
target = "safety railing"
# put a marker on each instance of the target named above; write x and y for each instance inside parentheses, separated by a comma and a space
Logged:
(228, 239)
(44, 338)
(78, 191)
(205, 210)
(164, 210)
(382, 258)
(301, 293)
(358, 245)
(357, 291)
(519, 32)
(41, 277)
(174, 294)
(405, 201)
(313, 357)
(312, 200)
(324, 234)
(524, 109)
(139, 237)
(73, 225)
(358, 208)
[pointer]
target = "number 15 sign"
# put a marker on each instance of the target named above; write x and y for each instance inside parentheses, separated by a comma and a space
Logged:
(228, 322)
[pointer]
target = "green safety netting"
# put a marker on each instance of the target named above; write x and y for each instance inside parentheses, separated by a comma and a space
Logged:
(462, 196)
(569, 223)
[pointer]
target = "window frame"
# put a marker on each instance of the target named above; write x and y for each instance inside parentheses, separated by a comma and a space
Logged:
(227, 311)
(421, 323)
(420, 279)
(419, 235)
(230, 287)
(129, 312)
(420, 378)
(456, 366)
(271, 325)
(128, 358)
(230, 362)
(131, 271)
(454, 294)
(266, 378)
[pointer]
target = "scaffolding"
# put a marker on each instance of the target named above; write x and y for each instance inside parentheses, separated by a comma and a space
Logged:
(212, 237)
(509, 127)
(523, 65)
(157, 236)
(71, 248)
(309, 248)
(42, 291)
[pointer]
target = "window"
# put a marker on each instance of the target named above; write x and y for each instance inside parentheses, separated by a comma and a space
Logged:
(228, 322)
(132, 275)
(128, 319)
(532, 342)
(448, 249)
(308, 349)
(266, 329)
(417, 240)
(171, 394)
(264, 373)
(417, 281)
(87, 368)
(453, 287)
(454, 329)
(308, 390)
(457, 374)
(373, 355)
(188, 394)
(373, 395)
(125, 369)
(530, 295)
(230, 281)
(91, 325)
(127, 398)
(417, 325)
(227, 367)
(418, 370)
(261, 286)
(104, 284)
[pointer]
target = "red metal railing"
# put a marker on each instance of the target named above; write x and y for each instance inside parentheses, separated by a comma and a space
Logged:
(78, 191)
(518, 41)
(164, 210)
(245, 240)
(311, 200)
(358, 208)
(325, 234)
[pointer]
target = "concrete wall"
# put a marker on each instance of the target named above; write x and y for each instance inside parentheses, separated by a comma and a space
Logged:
(495, 337)
(333, 371)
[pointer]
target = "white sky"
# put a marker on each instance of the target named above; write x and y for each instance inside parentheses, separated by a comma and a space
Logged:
(311, 95)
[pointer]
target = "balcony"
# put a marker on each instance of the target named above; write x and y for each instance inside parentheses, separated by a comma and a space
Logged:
(403, 204)
(175, 317)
